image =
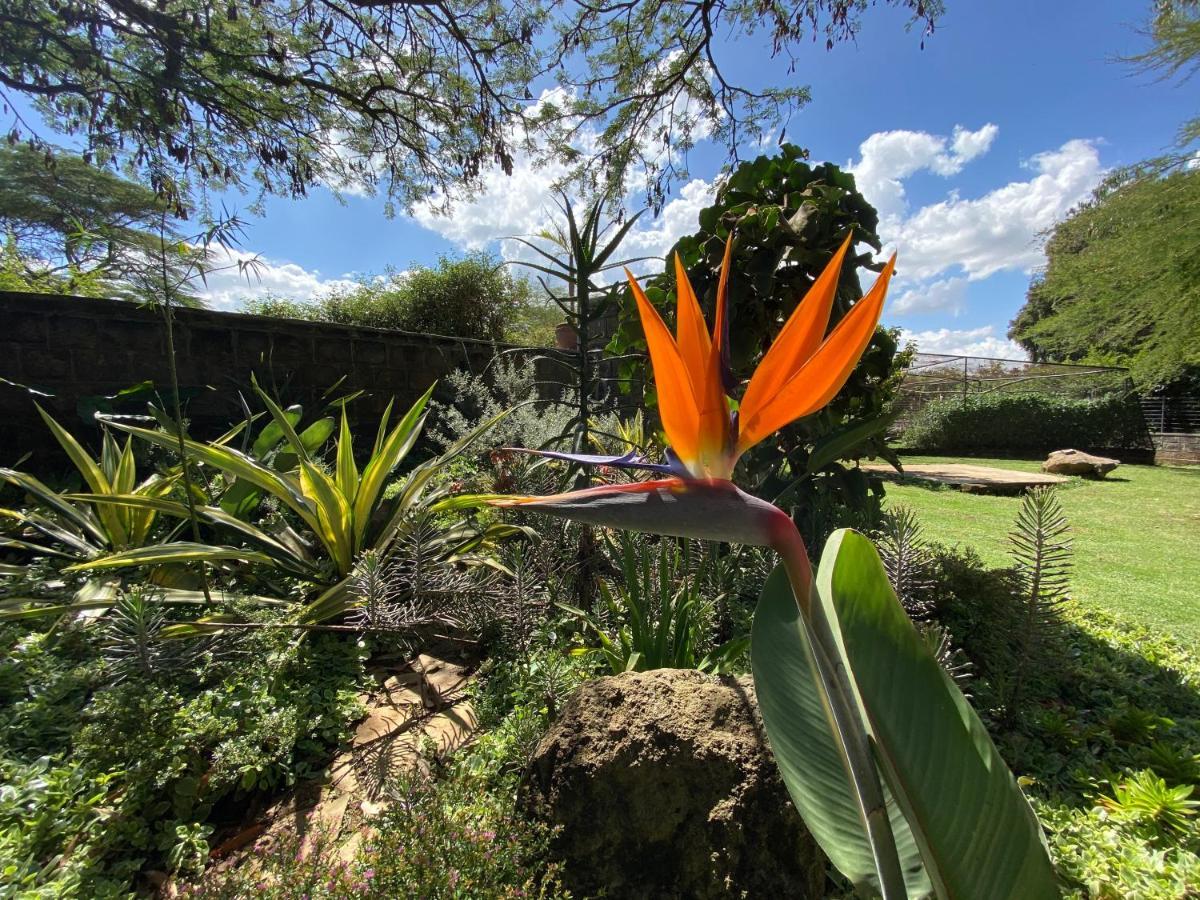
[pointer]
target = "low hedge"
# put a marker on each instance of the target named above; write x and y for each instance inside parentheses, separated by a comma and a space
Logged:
(1027, 423)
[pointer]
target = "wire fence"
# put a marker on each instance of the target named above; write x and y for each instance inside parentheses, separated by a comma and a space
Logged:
(937, 376)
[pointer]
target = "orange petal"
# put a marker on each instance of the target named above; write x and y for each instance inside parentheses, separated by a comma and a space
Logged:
(692, 333)
(799, 339)
(677, 405)
(720, 335)
(822, 376)
(697, 351)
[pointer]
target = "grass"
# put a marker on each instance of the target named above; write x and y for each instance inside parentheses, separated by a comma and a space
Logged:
(1136, 536)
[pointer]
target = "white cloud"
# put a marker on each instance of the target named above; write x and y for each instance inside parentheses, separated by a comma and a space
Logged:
(980, 236)
(228, 285)
(965, 342)
(947, 295)
(999, 230)
(889, 157)
(523, 203)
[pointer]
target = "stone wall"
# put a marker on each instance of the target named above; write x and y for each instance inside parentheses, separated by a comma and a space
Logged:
(76, 350)
(1177, 449)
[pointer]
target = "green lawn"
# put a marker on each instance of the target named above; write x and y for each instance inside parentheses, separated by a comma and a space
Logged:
(1136, 536)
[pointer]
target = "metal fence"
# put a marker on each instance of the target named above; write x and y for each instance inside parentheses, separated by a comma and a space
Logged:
(934, 376)
(1172, 415)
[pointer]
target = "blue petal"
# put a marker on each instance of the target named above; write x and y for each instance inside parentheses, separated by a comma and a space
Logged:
(630, 460)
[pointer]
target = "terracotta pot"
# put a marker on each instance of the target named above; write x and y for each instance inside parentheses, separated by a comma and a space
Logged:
(565, 336)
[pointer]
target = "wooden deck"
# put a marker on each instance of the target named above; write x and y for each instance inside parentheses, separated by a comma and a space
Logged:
(969, 478)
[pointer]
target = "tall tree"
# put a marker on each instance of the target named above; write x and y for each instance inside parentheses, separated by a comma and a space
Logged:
(72, 227)
(1174, 53)
(1122, 281)
(417, 97)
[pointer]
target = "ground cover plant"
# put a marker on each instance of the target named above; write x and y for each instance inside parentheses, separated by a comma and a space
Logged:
(1130, 531)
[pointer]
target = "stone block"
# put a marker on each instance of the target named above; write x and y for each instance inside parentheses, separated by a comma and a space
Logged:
(370, 353)
(72, 332)
(40, 365)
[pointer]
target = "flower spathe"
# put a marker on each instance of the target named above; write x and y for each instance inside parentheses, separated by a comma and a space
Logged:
(800, 373)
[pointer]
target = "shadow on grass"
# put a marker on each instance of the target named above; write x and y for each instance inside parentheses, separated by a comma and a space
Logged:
(1077, 699)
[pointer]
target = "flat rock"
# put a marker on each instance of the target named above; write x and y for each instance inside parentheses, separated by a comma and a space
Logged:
(1076, 462)
(966, 477)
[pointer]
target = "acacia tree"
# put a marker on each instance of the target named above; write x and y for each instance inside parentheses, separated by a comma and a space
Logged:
(1174, 53)
(415, 97)
(72, 227)
(1121, 281)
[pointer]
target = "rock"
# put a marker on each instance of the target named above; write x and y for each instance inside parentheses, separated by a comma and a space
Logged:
(1075, 462)
(663, 787)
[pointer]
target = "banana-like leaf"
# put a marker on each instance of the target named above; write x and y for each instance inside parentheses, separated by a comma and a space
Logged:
(281, 419)
(270, 436)
(977, 834)
(170, 554)
(834, 446)
(807, 749)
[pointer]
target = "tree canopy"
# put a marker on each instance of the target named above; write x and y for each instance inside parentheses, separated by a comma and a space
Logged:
(1122, 281)
(415, 97)
(70, 227)
(1174, 53)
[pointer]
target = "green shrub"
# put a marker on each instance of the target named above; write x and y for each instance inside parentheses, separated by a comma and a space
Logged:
(1105, 743)
(473, 297)
(1026, 424)
(454, 839)
(102, 780)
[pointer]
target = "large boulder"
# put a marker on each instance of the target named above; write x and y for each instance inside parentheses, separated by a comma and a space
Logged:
(663, 786)
(1076, 462)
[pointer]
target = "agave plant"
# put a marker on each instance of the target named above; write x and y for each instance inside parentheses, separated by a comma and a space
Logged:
(345, 510)
(76, 530)
(889, 766)
(58, 526)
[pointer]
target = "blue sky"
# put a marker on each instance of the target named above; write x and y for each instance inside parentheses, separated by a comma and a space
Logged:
(969, 147)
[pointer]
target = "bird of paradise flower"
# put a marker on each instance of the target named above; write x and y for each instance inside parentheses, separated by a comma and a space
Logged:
(904, 842)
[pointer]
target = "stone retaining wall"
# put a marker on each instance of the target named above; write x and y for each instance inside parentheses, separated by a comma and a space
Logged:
(78, 349)
(1177, 449)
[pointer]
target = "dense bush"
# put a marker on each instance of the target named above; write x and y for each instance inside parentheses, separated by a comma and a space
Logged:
(472, 297)
(1026, 423)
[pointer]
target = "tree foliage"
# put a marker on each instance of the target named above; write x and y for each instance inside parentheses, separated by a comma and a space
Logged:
(474, 297)
(1174, 53)
(72, 228)
(1122, 281)
(418, 97)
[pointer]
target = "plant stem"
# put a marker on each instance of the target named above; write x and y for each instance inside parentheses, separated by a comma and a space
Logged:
(177, 405)
(844, 715)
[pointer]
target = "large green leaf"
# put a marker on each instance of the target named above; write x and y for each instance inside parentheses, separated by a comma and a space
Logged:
(807, 751)
(979, 838)
(234, 463)
(169, 554)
